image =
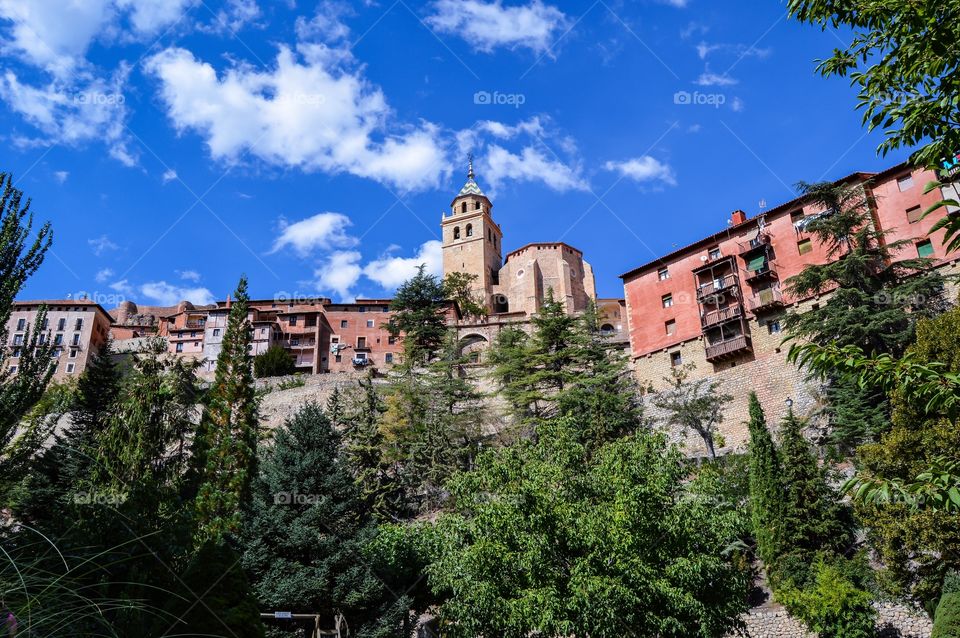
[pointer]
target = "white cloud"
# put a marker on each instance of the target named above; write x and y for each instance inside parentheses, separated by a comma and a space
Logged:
(489, 25)
(327, 23)
(705, 49)
(679, 4)
(322, 231)
(169, 175)
(530, 165)
(61, 176)
(165, 294)
(643, 169)
(234, 16)
(101, 245)
(339, 273)
(736, 104)
(311, 114)
(149, 16)
(189, 275)
(708, 78)
(390, 271)
(124, 288)
(103, 275)
(73, 113)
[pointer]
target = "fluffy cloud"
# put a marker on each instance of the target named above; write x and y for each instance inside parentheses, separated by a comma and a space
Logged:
(165, 294)
(306, 112)
(530, 165)
(103, 275)
(189, 275)
(489, 25)
(322, 231)
(708, 78)
(61, 176)
(390, 270)
(339, 273)
(643, 169)
(168, 175)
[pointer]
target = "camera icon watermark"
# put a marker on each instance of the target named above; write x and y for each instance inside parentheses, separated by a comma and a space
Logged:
(496, 98)
(716, 100)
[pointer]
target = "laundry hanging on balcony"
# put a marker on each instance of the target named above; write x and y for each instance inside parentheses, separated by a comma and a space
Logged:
(757, 263)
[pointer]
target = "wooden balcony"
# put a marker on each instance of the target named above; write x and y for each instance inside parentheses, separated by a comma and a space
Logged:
(756, 243)
(765, 300)
(716, 317)
(721, 284)
(728, 348)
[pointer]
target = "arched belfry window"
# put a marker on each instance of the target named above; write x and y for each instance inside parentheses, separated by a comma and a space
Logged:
(469, 230)
(463, 207)
(476, 206)
(456, 232)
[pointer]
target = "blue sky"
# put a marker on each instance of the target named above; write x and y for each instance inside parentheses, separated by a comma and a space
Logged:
(175, 144)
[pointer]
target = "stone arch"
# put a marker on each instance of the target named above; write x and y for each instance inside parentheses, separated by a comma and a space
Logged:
(607, 329)
(472, 346)
(469, 230)
(456, 232)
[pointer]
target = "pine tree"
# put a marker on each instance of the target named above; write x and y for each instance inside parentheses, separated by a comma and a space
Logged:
(511, 368)
(365, 447)
(305, 533)
(813, 520)
(766, 493)
(227, 438)
(419, 317)
(876, 298)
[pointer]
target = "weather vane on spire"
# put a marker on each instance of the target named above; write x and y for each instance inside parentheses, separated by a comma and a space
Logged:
(470, 165)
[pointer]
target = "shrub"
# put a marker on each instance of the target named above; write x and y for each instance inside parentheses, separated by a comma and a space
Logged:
(831, 605)
(275, 362)
(947, 620)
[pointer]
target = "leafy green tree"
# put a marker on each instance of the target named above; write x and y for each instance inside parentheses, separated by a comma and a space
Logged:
(304, 536)
(766, 493)
(227, 437)
(694, 405)
(275, 362)
(512, 367)
(876, 298)
(946, 622)
(459, 287)
(419, 317)
(832, 606)
(555, 541)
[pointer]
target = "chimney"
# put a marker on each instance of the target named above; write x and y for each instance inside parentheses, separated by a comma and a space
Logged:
(228, 301)
(738, 217)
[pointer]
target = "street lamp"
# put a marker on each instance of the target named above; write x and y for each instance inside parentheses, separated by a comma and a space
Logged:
(789, 403)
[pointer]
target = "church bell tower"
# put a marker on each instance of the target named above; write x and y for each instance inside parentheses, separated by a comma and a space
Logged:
(471, 239)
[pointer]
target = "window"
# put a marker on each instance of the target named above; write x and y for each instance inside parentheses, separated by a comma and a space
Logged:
(361, 308)
(62, 324)
(338, 358)
(714, 253)
(76, 340)
(386, 308)
(388, 357)
(914, 214)
(476, 206)
(57, 352)
(46, 323)
(925, 249)
(676, 359)
(73, 353)
(13, 369)
(216, 332)
(469, 230)
(489, 235)
(456, 232)
(361, 342)
(343, 323)
(773, 327)
(804, 246)
(360, 356)
(463, 207)
(295, 341)
(43, 339)
(905, 183)
(17, 352)
(70, 368)
(334, 340)
(670, 326)
(179, 347)
(666, 300)
(663, 274)
(796, 216)
(391, 340)
(57, 340)
(369, 323)
(18, 340)
(293, 320)
(21, 324)
(311, 321)
(79, 325)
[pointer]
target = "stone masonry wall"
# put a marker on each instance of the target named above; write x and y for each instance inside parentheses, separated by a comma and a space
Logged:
(893, 621)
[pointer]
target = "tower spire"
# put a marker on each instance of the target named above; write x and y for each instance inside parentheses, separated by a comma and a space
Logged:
(470, 165)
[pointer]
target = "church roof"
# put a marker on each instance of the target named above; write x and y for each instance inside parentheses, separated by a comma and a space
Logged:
(471, 187)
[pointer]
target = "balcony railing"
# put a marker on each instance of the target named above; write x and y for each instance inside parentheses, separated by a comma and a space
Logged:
(768, 270)
(717, 285)
(728, 348)
(722, 315)
(757, 242)
(195, 324)
(765, 299)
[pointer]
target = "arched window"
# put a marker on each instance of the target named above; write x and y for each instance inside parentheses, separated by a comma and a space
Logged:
(463, 207)
(456, 232)
(469, 230)
(476, 206)
(607, 329)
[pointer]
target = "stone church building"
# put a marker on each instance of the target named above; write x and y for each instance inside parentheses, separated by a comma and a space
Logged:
(514, 286)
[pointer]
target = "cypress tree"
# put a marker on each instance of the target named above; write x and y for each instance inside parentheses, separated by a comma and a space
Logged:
(766, 492)
(98, 390)
(227, 438)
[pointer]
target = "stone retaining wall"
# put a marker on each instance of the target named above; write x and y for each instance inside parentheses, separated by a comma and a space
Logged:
(893, 621)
